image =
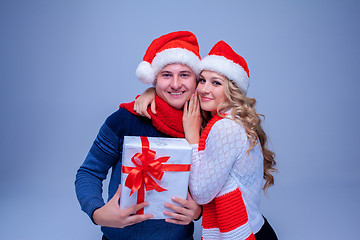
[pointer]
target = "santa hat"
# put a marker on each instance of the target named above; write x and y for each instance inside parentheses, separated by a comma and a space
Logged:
(176, 47)
(223, 60)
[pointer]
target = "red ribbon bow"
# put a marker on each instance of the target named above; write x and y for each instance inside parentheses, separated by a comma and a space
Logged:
(139, 177)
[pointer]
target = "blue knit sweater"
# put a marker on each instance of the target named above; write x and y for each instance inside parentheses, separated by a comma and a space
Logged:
(106, 154)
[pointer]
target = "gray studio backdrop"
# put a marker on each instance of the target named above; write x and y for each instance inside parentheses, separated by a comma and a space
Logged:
(66, 65)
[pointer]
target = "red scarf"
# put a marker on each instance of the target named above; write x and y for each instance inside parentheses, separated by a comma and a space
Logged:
(167, 120)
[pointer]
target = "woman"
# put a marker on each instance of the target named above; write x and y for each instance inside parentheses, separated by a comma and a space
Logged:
(230, 158)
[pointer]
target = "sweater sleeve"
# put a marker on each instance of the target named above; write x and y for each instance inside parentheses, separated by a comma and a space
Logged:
(211, 167)
(104, 152)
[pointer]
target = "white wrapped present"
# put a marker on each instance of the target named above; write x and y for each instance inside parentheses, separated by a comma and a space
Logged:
(154, 169)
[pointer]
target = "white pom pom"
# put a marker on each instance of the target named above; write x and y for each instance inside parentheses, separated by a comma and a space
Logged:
(145, 73)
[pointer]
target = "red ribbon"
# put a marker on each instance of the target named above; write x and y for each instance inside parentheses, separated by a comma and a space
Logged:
(139, 177)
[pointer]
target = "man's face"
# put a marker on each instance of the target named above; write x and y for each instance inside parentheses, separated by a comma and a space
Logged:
(175, 84)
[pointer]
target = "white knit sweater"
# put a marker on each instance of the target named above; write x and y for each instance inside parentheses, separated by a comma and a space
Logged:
(224, 165)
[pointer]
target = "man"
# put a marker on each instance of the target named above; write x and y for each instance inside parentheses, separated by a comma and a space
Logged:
(171, 62)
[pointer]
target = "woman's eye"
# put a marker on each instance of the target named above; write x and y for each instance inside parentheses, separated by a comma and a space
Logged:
(202, 80)
(217, 83)
(166, 75)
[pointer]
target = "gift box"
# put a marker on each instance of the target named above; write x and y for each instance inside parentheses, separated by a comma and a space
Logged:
(154, 169)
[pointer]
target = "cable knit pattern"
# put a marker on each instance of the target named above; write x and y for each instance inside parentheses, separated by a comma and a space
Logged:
(224, 174)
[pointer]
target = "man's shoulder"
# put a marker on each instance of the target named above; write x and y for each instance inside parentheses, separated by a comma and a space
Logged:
(119, 118)
(119, 114)
(124, 122)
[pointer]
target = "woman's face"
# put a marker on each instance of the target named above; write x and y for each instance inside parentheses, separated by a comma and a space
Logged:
(211, 90)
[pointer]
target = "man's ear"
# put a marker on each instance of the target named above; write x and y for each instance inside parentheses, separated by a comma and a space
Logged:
(154, 83)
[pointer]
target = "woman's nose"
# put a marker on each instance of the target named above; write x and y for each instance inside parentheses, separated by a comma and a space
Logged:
(206, 88)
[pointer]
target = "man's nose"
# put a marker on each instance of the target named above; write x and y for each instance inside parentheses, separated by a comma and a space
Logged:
(176, 83)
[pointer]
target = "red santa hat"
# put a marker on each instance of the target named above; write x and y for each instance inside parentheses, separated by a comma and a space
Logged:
(225, 61)
(176, 47)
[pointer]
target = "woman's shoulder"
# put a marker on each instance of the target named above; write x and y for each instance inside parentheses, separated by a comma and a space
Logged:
(228, 126)
(228, 122)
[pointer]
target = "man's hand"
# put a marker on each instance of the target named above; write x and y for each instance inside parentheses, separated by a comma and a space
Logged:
(184, 214)
(110, 215)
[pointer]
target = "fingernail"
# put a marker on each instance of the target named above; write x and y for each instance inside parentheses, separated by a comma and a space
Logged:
(166, 204)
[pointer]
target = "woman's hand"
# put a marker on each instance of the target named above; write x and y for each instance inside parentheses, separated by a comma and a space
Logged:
(192, 120)
(184, 214)
(143, 101)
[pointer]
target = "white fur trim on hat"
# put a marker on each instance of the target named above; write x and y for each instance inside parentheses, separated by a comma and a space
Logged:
(147, 72)
(227, 68)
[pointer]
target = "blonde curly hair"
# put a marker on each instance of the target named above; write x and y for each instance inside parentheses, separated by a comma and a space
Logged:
(242, 111)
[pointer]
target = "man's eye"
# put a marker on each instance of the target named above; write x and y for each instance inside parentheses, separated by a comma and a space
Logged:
(185, 75)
